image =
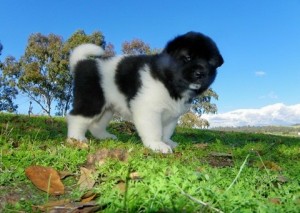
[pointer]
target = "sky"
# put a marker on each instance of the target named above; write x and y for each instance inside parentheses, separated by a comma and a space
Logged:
(259, 40)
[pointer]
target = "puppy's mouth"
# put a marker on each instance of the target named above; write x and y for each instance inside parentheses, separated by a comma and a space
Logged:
(195, 86)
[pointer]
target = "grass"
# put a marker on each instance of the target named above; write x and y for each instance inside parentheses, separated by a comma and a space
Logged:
(210, 171)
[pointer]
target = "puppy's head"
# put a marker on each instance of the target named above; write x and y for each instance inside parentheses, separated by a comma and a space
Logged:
(197, 57)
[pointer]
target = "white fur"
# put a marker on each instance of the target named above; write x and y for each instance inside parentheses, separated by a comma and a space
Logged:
(195, 86)
(153, 111)
(77, 127)
(83, 52)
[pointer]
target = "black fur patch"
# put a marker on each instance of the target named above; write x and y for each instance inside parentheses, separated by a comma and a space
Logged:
(128, 75)
(88, 94)
(169, 74)
(128, 78)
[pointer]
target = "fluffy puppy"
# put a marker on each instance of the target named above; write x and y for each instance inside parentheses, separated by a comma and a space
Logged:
(151, 91)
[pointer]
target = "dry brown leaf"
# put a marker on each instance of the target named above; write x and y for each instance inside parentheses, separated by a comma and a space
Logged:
(86, 180)
(88, 196)
(219, 159)
(121, 185)
(69, 207)
(46, 179)
(270, 165)
(102, 155)
(282, 179)
(275, 201)
(64, 174)
(77, 144)
(220, 154)
(201, 145)
(46, 207)
(135, 176)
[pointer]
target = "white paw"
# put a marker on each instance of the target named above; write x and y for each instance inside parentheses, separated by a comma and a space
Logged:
(159, 146)
(105, 135)
(171, 143)
(78, 138)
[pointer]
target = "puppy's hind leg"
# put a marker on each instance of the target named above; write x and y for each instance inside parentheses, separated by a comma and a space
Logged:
(77, 126)
(98, 127)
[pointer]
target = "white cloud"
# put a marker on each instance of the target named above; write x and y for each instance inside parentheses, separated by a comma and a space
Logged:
(276, 114)
(260, 73)
(270, 95)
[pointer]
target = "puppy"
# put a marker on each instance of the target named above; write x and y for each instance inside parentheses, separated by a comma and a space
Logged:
(152, 91)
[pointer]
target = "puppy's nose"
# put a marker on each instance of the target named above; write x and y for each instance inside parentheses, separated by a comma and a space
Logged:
(200, 74)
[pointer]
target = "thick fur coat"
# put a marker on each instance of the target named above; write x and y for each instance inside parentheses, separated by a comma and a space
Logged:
(151, 91)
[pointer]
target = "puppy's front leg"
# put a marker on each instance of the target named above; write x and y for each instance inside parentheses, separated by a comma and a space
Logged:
(168, 130)
(149, 126)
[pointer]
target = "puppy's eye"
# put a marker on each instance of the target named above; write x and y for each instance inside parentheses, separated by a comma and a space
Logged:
(186, 58)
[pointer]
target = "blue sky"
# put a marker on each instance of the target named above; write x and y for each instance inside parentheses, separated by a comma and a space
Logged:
(259, 40)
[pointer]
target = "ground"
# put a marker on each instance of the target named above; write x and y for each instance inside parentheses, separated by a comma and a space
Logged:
(210, 171)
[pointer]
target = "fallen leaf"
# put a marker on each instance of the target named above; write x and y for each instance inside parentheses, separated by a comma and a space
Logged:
(70, 207)
(282, 179)
(46, 179)
(275, 200)
(102, 155)
(270, 165)
(219, 159)
(220, 154)
(51, 204)
(77, 144)
(201, 145)
(64, 174)
(135, 176)
(86, 180)
(121, 185)
(88, 196)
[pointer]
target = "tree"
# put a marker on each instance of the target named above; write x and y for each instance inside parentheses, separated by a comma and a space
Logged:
(38, 69)
(191, 120)
(7, 94)
(202, 104)
(1, 48)
(8, 90)
(135, 47)
(110, 50)
(43, 71)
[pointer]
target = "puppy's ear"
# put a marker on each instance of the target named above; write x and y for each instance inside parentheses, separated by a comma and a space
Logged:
(216, 61)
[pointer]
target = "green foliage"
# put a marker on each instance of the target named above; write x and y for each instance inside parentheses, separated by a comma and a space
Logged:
(7, 94)
(227, 171)
(191, 120)
(42, 72)
(8, 89)
(136, 47)
(202, 104)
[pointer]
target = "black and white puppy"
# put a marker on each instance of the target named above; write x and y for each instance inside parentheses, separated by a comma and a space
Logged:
(153, 91)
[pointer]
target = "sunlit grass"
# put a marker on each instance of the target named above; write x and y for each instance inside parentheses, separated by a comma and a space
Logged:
(210, 171)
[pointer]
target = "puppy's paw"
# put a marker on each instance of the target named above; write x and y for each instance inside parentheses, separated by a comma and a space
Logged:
(159, 146)
(171, 143)
(80, 138)
(105, 135)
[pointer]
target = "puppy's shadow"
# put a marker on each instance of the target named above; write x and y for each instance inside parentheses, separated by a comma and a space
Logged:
(125, 131)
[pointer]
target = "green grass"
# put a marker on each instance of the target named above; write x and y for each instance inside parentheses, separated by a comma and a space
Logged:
(225, 171)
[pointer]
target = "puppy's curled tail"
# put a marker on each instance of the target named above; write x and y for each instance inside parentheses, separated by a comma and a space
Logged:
(83, 51)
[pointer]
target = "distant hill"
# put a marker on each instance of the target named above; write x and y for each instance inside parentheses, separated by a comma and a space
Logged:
(274, 130)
